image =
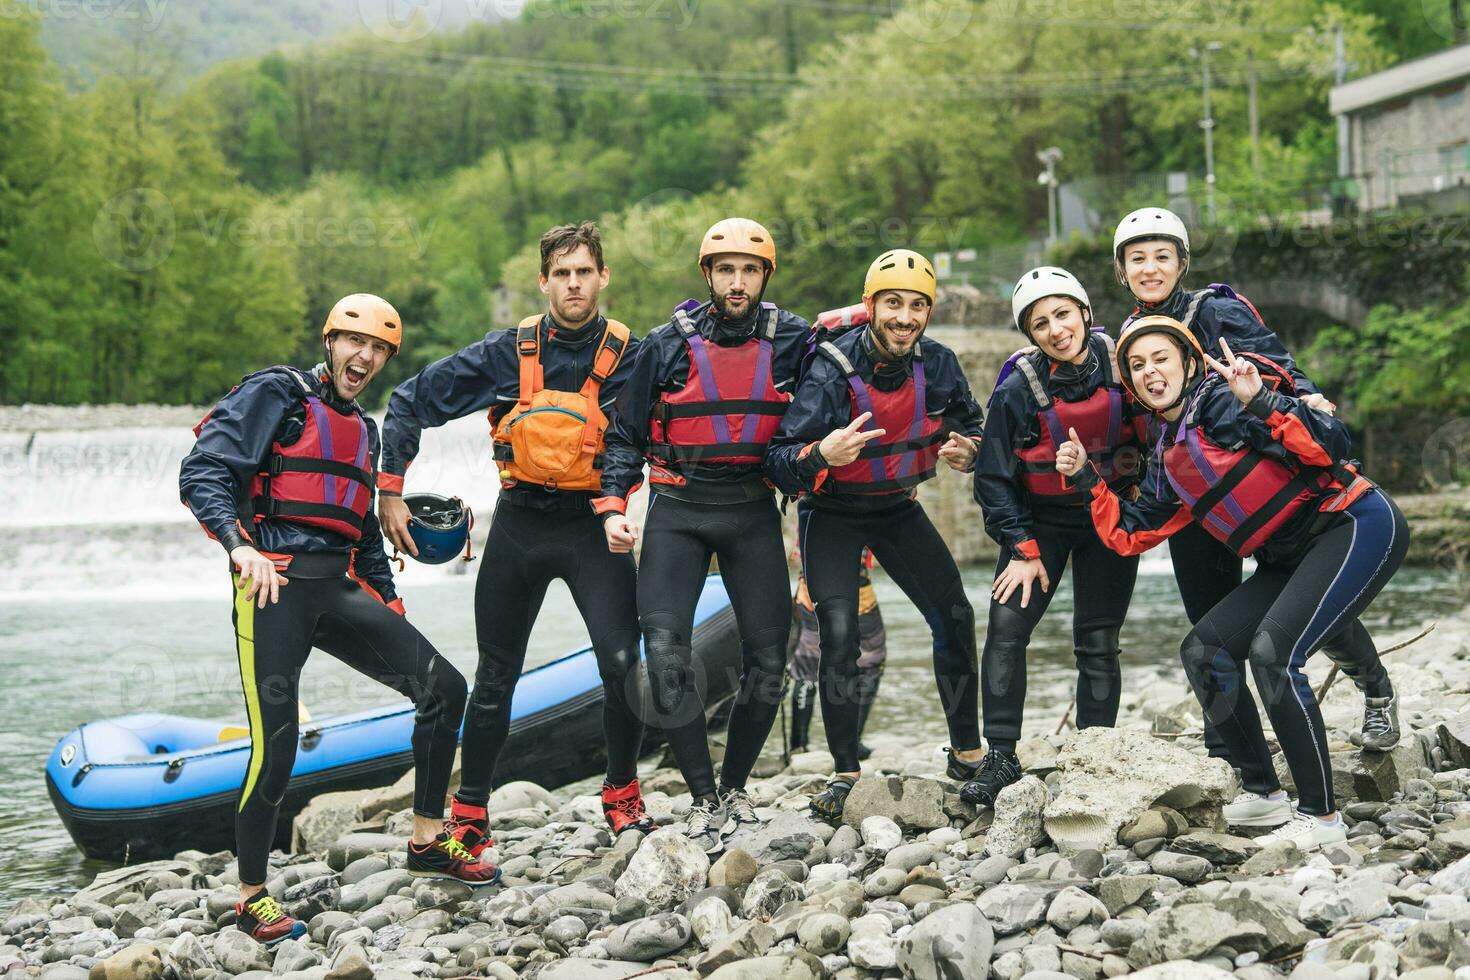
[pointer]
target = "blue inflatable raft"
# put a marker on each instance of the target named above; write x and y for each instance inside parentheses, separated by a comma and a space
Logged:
(151, 785)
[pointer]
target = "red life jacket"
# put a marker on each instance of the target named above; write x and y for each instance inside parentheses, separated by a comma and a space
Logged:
(1098, 419)
(729, 407)
(324, 479)
(1241, 496)
(908, 452)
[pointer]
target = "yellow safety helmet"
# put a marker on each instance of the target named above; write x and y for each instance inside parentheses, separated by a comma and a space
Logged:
(369, 315)
(900, 268)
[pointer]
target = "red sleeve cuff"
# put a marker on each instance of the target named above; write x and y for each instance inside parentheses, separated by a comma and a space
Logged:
(1029, 549)
(609, 505)
(397, 606)
(388, 483)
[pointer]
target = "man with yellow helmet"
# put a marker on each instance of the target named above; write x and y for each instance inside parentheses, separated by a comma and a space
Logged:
(706, 394)
(281, 475)
(871, 419)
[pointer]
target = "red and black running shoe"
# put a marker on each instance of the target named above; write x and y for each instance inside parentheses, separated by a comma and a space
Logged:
(470, 825)
(445, 857)
(264, 921)
(623, 808)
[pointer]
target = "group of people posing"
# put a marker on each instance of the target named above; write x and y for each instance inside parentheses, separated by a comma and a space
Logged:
(1193, 424)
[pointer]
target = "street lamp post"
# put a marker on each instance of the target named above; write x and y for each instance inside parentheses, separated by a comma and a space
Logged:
(1208, 125)
(1049, 158)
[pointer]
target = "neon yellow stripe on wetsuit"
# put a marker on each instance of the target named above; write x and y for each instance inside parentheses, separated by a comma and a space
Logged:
(245, 647)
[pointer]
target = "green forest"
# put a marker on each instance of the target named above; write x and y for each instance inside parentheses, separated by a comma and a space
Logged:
(177, 210)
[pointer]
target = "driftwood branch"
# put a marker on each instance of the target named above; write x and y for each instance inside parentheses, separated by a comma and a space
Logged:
(1332, 674)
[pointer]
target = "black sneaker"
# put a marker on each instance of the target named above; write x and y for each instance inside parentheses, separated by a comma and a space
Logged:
(960, 770)
(1380, 724)
(997, 771)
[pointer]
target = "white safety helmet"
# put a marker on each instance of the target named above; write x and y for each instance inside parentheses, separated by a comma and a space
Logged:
(1150, 223)
(1047, 280)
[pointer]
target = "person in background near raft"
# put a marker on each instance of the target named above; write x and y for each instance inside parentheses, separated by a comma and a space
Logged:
(1151, 259)
(875, 412)
(1067, 380)
(281, 475)
(1268, 476)
(547, 384)
(872, 652)
(706, 393)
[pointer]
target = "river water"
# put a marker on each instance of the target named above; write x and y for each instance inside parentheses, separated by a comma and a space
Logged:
(112, 601)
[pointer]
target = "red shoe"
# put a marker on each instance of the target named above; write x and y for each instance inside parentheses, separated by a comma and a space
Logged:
(264, 921)
(447, 858)
(623, 808)
(470, 825)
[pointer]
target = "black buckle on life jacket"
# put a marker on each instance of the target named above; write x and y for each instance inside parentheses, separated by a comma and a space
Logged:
(528, 348)
(275, 464)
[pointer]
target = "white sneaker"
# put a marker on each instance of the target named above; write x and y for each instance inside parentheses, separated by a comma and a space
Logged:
(739, 813)
(1254, 810)
(1307, 833)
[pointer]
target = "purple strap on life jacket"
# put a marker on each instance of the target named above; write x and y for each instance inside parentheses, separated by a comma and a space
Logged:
(324, 434)
(361, 462)
(865, 404)
(757, 389)
(907, 460)
(688, 306)
(707, 385)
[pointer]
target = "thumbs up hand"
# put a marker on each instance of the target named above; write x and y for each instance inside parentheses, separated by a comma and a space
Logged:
(1071, 455)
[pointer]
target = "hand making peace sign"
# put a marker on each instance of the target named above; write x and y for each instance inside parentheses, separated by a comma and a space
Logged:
(841, 446)
(1240, 372)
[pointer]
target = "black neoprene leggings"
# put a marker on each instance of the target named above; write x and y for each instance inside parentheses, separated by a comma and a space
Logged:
(528, 547)
(911, 551)
(1102, 587)
(336, 614)
(1278, 618)
(1206, 572)
(678, 539)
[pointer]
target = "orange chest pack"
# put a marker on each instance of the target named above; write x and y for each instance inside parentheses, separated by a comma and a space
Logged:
(555, 438)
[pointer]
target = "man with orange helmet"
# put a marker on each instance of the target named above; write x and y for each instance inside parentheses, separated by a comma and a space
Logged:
(281, 475)
(548, 385)
(706, 394)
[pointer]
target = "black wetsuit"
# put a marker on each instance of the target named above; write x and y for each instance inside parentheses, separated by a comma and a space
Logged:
(698, 509)
(838, 525)
(1054, 529)
(339, 597)
(536, 535)
(1315, 576)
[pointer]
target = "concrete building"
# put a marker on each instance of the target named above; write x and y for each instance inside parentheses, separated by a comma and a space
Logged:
(1408, 133)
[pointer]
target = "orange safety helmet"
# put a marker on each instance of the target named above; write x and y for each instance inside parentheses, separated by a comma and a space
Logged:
(1170, 327)
(739, 235)
(369, 315)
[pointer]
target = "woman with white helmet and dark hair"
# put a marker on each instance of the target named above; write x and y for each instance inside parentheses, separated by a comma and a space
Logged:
(1066, 383)
(1151, 259)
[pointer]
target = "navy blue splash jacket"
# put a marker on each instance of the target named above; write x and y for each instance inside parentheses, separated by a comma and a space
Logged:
(1013, 425)
(485, 376)
(215, 478)
(1274, 426)
(824, 402)
(662, 366)
(1217, 316)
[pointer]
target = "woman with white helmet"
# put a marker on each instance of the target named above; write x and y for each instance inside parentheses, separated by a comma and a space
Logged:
(1151, 259)
(1066, 383)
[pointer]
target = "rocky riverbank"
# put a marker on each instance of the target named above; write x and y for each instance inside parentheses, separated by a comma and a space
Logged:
(1108, 859)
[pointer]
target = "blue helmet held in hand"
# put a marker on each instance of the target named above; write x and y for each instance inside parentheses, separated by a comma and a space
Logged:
(440, 527)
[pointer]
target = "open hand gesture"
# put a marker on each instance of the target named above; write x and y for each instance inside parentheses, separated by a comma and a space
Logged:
(1071, 454)
(841, 446)
(1240, 372)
